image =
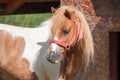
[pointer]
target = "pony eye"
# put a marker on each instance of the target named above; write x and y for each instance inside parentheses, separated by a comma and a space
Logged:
(66, 32)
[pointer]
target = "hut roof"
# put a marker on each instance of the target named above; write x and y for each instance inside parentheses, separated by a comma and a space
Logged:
(26, 6)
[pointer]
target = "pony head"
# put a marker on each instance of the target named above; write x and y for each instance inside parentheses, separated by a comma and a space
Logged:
(69, 33)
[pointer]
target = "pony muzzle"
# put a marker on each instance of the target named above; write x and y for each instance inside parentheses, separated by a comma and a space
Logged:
(53, 57)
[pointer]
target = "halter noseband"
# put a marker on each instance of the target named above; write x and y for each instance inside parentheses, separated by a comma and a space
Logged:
(68, 45)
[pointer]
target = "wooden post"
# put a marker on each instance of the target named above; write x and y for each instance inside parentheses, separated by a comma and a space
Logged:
(3, 1)
(113, 55)
(12, 5)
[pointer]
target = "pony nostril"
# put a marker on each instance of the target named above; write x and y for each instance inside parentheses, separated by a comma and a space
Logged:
(52, 52)
(59, 55)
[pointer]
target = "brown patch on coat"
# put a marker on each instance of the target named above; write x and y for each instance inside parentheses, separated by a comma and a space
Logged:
(12, 66)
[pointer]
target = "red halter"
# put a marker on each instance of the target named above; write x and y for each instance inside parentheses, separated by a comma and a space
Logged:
(68, 45)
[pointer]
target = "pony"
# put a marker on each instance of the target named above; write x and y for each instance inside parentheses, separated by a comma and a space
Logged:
(71, 41)
(53, 51)
(22, 53)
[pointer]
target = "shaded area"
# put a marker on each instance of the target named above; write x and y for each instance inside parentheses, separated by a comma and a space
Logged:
(118, 56)
(115, 55)
(106, 7)
(26, 7)
(30, 8)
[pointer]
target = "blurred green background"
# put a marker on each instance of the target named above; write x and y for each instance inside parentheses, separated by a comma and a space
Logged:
(26, 20)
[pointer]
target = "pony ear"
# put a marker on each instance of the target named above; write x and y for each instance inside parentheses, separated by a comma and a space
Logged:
(69, 14)
(53, 10)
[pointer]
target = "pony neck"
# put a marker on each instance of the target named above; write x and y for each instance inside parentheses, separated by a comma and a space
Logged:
(71, 64)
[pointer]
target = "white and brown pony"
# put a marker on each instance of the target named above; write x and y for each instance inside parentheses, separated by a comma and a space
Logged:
(23, 53)
(71, 41)
(26, 53)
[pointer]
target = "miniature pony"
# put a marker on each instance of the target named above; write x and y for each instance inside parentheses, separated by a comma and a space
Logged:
(53, 51)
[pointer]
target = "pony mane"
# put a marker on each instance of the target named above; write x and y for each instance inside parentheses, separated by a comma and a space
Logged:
(85, 43)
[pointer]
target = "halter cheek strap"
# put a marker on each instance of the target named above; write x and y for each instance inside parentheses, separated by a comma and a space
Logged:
(68, 45)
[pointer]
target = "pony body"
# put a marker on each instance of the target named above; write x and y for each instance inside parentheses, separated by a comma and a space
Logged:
(22, 53)
(25, 52)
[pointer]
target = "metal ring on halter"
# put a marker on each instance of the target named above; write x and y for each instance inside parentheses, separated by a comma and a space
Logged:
(68, 47)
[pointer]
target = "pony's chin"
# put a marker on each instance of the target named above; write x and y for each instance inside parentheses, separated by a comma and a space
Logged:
(54, 62)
